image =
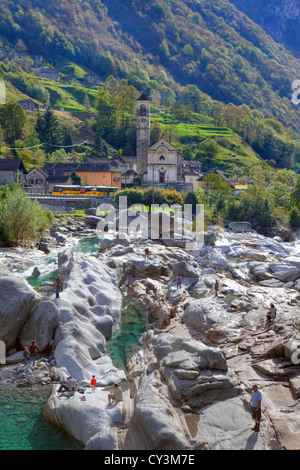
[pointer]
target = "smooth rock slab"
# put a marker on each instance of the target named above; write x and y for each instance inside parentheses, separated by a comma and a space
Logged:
(226, 425)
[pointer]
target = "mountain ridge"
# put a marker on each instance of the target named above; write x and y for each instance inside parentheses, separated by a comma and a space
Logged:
(215, 47)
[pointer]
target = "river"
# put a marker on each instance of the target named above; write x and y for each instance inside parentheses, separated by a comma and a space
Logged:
(23, 426)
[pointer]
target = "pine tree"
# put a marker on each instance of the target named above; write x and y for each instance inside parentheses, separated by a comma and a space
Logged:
(67, 140)
(49, 130)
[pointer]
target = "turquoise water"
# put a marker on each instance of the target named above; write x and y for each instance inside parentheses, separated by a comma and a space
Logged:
(23, 426)
(84, 245)
(124, 343)
(87, 245)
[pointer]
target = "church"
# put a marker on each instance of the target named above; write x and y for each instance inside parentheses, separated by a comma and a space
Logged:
(159, 163)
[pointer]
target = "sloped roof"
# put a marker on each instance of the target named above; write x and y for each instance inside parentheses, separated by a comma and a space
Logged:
(104, 167)
(143, 97)
(161, 142)
(12, 164)
(58, 179)
(40, 170)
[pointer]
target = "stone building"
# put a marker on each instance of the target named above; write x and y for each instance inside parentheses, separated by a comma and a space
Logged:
(12, 170)
(163, 163)
(28, 105)
(159, 163)
(49, 73)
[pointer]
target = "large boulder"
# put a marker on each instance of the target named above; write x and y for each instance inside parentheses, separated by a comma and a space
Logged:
(40, 325)
(196, 374)
(18, 299)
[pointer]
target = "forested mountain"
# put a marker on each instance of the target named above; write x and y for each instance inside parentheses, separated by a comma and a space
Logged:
(279, 18)
(160, 45)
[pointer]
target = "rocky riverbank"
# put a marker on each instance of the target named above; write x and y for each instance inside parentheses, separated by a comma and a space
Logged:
(189, 386)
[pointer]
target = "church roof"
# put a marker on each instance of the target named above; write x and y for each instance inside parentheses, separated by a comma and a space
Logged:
(143, 97)
(161, 142)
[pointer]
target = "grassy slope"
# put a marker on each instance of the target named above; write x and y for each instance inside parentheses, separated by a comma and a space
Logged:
(201, 128)
(180, 134)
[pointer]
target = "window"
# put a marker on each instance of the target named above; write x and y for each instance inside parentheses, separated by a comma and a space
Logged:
(162, 157)
(103, 176)
(94, 175)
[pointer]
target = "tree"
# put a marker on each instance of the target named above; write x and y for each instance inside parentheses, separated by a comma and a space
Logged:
(49, 130)
(67, 140)
(21, 218)
(106, 108)
(75, 178)
(12, 121)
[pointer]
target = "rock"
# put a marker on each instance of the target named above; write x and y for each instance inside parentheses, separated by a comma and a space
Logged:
(226, 425)
(185, 270)
(40, 325)
(238, 227)
(159, 425)
(287, 276)
(260, 270)
(271, 283)
(295, 385)
(91, 422)
(210, 238)
(60, 238)
(91, 211)
(92, 220)
(293, 260)
(18, 299)
(36, 272)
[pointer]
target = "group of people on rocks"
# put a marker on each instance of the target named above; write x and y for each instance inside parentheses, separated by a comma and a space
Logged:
(69, 386)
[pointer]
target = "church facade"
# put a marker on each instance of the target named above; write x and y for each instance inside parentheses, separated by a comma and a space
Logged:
(159, 163)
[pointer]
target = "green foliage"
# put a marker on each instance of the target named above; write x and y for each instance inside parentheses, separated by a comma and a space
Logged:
(75, 178)
(294, 217)
(12, 121)
(49, 130)
(21, 218)
(146, 196)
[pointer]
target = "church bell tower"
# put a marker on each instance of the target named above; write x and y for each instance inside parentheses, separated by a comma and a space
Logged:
(143, 134)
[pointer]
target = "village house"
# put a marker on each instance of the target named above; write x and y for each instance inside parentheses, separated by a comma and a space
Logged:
(193, 177)
(91, 174)
(36, 177)
(12, 170)
(28, 105)
(49, 73)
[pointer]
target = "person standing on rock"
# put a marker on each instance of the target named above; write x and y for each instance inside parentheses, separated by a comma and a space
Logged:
(58, 283)
(147, 253)
(179, 279)
(271, 314)
(25, 356)
(255, 404)
(93, 383)
(216, 287)
(33, 349)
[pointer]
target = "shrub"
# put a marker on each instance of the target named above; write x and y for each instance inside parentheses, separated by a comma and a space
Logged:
(21, 218)
(294, 217)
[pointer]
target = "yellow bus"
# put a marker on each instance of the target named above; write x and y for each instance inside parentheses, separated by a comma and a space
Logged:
(74, 190)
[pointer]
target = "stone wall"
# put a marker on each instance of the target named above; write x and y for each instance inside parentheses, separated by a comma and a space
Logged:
(70, 205)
